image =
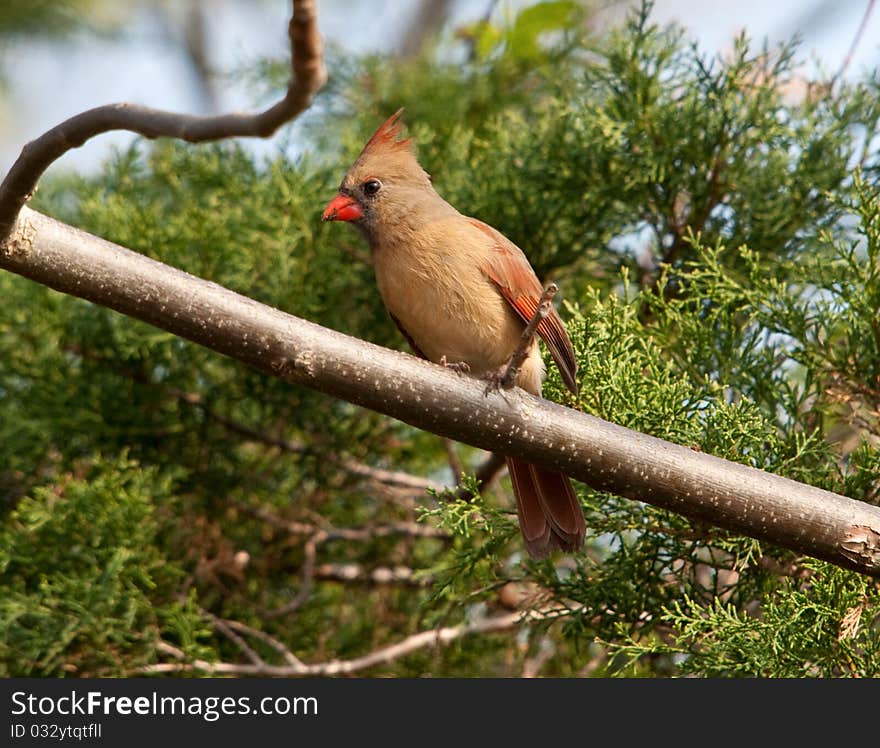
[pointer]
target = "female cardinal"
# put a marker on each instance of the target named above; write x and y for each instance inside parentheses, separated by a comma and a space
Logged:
(461, 292)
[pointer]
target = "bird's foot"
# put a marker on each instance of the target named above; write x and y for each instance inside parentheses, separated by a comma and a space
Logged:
(460, 367)
(497, 379)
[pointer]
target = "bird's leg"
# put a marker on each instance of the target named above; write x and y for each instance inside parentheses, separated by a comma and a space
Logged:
(505, 376)
(460, 367)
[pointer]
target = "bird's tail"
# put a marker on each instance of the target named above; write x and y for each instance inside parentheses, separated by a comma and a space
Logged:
(549, 513)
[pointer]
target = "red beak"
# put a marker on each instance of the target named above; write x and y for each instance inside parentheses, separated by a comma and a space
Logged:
(343, 208)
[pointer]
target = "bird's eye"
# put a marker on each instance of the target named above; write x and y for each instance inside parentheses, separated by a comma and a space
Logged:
(371, 187)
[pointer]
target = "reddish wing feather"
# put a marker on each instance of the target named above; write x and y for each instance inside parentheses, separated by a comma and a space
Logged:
(509, 269)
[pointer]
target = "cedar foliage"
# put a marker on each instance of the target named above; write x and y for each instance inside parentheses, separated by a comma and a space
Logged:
(713, 225)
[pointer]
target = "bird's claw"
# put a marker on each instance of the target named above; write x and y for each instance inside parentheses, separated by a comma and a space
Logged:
(495, 380)
(459, 367)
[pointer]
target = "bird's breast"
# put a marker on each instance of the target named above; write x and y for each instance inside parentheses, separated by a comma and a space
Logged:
(448, 307)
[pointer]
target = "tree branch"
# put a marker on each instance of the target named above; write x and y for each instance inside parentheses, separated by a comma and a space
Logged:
(489, 469)
(863, 24)
(307, 574)
(353, 534)
(383, 656)
(605, 456)
(317, 537)
(290, 658)
(224, 628)
(396, 478)
(307, 76)
(381, 575)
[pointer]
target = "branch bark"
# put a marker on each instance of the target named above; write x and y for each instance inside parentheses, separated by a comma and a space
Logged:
(308, 74)
(606, 457)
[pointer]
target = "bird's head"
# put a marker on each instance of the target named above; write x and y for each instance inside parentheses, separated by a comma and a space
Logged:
(383, 183)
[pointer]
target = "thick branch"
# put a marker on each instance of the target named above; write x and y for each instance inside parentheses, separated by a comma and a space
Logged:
(307, 76)
(606, 457)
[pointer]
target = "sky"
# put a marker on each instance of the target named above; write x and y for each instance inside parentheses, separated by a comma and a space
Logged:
(49, 81)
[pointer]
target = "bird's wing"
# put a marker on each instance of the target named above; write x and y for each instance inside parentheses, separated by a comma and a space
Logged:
(409, 339)
(509, 269)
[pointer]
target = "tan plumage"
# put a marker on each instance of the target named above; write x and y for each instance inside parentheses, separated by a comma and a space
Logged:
(461, 291)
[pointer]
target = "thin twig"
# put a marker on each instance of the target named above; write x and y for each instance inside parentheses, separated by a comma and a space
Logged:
(383, 656)
(308, 74)
(454, 462)
(381, 575)
(310, 552)
(855, 43)
(165, 648)
(489, 470)
(471, 37)
(367, 532)
(289, 657)
(524, 348)
(402, 529)
(532, 666)
(224, 628)
(413, 485)
(397, 478)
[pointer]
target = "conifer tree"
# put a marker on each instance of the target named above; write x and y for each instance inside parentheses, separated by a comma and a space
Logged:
(712, 223)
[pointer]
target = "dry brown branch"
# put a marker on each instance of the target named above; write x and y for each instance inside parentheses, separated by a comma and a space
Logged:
(396, 478)
(321, 536)
(381, 575)
(402, 529)
(367, 532)
(307, 574)
(489, 470)
(224, 628)
(171, 650)
(307, 76)
(261, 513)
(383, 656)
(414, 486)
(289, 657)
(454, 462)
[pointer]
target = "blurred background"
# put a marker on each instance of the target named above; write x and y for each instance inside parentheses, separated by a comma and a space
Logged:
(59, 57)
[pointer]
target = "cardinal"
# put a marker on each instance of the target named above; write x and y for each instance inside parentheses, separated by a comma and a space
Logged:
(462, 294)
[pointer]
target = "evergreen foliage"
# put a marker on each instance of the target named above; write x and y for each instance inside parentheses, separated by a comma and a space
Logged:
(713, 225)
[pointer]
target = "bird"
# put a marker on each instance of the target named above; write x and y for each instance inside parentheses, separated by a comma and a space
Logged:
(461, 294)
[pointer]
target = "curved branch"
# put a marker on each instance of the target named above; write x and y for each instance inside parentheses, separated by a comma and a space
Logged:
(307, 76)
(422, 640)
(603, 455)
